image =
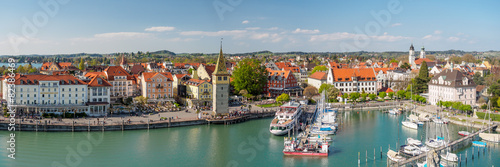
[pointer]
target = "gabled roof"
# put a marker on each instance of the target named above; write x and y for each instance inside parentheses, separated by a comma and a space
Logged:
(293, 69)
(178, 76)
(210, 69)
(137, 68)
(98, 82)
(420, 60)
(148, 75)
(113, 71)
(319, 75)
(454, 78)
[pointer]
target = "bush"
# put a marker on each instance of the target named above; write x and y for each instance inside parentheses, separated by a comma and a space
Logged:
(484, 106)
(311, 101)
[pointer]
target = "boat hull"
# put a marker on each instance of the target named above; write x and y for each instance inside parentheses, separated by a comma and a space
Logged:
(279, 132)
(305, 154)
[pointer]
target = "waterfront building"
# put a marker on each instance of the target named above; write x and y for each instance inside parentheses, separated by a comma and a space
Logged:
(220, 82)
(349, 80)
(99, 96)
(157, 86)
(48, 93)
(452, 85)
(124, 84)
(204, 72)
(281, 81)
(198, 92)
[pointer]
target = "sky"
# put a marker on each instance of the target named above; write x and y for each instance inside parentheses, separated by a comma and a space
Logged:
(197, 26)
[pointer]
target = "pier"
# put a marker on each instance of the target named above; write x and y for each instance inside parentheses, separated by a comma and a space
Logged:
(456, 142)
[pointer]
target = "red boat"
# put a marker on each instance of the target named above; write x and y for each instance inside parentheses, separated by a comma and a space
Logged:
(463, 133)
(305, 153)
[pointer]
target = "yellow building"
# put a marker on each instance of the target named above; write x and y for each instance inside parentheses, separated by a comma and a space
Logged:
(198, 92)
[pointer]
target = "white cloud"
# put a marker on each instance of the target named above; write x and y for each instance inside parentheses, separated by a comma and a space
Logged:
(121, 35)
(273, 28)
(234, 33)
(396, 24)
(431, 37)
(453, 39)
(253, 28)
(259, 36)
(298, 30)
(245, 22)
(160, 29)
(438, 32)
(459, 34)
(346, 35)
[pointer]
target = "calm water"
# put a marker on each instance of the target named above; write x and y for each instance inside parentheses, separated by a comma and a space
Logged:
(244, 144)
(37, 65)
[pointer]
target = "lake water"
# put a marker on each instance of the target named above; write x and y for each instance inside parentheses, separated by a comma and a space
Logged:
(37, 65)
(244, 144)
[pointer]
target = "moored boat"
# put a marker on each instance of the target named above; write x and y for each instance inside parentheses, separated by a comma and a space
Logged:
(478, 144)
(491, 137)
(410, 124)
(286, 118)
(394, 156)
(451, 157)
(463, 133)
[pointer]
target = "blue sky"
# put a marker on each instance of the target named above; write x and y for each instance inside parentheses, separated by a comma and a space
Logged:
(194, 26)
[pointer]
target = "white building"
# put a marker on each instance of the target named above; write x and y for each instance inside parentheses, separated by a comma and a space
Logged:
(48, 93)
(452, 85)
(317, 79)
(349, 80)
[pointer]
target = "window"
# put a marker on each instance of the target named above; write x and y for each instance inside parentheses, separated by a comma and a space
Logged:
(62, 95)
(219, 78)
(70, 89)
(225, 78)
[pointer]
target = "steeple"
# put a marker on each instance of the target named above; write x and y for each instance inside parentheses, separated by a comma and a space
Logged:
(411, 47)
(221, 63)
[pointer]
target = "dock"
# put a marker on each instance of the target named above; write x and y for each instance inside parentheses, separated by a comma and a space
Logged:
(456, 142)
(242, 118)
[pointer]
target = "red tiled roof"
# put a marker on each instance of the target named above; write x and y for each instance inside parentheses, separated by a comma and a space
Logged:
(34, 79)
(345, 74)
(113, 71)
(293, 69)
(94, 82)
(420, 60)
(148, 75)
(319, 75)
(210, 69)
(282, 65)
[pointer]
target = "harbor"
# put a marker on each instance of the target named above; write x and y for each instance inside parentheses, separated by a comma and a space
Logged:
(362, 139)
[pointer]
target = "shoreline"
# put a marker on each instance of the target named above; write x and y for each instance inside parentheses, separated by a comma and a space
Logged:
(44, 127)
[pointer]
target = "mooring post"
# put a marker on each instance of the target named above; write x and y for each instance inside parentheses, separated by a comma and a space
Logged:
(374, 154)
(89, 126)
(36, 126)
(366, 156)
(123, 122)
(380, 152)
(73, 126)
(472, 153)
(148, 123)
(465, 156)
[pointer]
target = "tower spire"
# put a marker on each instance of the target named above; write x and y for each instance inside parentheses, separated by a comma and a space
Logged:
(220, 68)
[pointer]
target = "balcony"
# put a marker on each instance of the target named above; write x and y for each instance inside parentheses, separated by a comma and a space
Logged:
(159, 86)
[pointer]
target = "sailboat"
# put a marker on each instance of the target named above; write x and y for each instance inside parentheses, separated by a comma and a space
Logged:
(465, 133)
(452, 157)
(410, 124)
(491, 137)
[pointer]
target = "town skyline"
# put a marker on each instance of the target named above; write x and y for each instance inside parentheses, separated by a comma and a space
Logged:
(67, 27)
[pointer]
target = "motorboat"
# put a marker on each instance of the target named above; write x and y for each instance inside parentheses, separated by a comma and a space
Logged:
(286, 118)
(394, 111)
(436, 143)
(293, 146)
(394, 156)
(410, 150)
(478, 144)
(410, 124)
(463, 133)
(412, 141)
(451, 157)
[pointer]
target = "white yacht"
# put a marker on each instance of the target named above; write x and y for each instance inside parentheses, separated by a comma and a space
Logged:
(410, 124)
(286, 118)
(436, 143)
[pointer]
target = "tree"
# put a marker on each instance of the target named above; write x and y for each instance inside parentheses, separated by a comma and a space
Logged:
(408, 95)
(382, 95)
(324, 87)
(421, 81)
(363, 95)
(372, 96)
(319, 68)
(310, 91)
(345, 96)
(391, 94)
(333, 92)
(468, 58)
(141, 100)
(81, 66)
(401, 93)
(405, 66)
(283, 98)
(249, 75)
(354, 96)
(478, 79)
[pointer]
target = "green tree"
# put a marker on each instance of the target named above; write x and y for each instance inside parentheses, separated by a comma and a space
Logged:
(141, 100)
(81, 66)
(478, 79)
(319, 68)
(391, 94)
(401, 93)
(354, 96)
(249, 75)
(372, 96)
(283, 98)
(324, 87)
(408, 95)
(405, 66)
(363, 95)
(333, 92)
(382, 95)
(345, 96)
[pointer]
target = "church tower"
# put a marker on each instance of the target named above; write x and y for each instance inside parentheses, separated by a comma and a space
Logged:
(220, 82)
(422, 53)
(411, 57)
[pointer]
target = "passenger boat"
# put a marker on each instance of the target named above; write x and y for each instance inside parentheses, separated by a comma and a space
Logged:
(394, 156)
(463, 133)
(286, 118)
(478, 144)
